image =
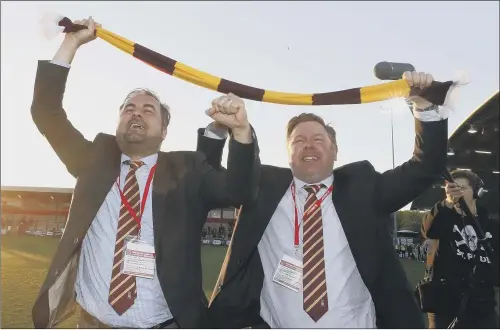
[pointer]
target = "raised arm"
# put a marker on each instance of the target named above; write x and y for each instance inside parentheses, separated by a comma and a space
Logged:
(210, 142)
(398, 187)
(238, 184)
(47, 110)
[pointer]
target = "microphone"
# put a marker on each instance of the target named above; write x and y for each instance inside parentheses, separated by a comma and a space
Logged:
(391, 70)
(436, 93)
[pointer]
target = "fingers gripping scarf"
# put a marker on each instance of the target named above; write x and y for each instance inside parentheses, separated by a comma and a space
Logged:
(437, 93)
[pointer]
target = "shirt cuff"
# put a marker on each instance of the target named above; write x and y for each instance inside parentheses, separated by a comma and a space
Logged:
(215, 133)
(432, 113)
(64, 64)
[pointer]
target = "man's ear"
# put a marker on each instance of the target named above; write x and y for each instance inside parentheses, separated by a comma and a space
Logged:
(164, 133)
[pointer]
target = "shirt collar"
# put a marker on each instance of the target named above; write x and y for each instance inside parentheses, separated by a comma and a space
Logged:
(148, 161)
(300, 184)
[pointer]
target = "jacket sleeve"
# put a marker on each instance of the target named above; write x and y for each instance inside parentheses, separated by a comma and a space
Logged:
(238, 184)
(50, 118)
(397, 187)
(437, 223)
(211, 148)
(236, 304)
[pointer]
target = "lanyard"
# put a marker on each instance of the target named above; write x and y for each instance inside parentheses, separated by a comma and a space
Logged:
(125, 202)
(313, 208)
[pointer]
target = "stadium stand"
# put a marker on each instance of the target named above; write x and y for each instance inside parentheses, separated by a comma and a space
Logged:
(43, 212)
(474, 146)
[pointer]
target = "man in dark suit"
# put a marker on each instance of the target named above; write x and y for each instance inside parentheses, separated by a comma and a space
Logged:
(134, 205)
(314, 251)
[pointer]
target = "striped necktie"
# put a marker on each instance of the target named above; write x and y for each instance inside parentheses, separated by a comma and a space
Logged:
(315, 298)
(122, 289)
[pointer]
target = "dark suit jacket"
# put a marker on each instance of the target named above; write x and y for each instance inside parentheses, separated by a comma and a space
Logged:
(364, 200)
(185, 188)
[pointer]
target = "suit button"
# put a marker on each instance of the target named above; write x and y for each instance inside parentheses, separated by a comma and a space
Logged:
(219, 286)
(76, 240)
(56, 272)
(240, 262)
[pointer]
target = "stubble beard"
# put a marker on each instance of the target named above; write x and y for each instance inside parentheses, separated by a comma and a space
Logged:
(132, 144)
(314, 177)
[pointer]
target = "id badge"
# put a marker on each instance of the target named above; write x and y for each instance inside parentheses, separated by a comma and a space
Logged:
(289, 273)
(138, 259)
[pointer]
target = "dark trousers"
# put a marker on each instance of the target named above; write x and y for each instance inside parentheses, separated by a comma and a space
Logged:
(488, 321)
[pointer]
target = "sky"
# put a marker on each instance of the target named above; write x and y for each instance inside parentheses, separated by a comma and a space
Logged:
(304, 47)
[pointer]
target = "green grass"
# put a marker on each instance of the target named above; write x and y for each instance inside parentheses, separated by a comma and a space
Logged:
(25, 261)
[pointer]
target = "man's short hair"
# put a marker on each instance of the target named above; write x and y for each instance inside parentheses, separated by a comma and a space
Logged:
(306, 117)
(164, 108)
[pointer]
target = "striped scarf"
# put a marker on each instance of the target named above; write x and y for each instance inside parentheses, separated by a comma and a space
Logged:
(438, 93)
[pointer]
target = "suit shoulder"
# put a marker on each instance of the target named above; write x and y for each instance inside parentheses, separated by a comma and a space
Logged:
(361, 171)
(186, 158)
(183, 153)
(105, 143)
(272, 168)
(103, 137)
(362, 165)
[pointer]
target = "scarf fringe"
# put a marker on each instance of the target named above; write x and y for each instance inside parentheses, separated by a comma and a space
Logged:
(49, 24)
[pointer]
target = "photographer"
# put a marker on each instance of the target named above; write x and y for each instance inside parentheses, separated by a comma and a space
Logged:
(453, 258)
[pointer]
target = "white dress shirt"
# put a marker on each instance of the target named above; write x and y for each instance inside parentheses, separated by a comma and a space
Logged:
(349, 302)
(96, 261)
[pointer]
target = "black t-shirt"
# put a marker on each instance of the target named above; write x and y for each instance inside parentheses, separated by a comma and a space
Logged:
(457, 249)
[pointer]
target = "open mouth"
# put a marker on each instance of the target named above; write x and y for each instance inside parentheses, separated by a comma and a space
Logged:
(137, 126)
(309, 158)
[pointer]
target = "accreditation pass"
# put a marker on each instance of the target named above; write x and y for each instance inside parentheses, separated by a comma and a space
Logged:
(289, 273)
(139, 260)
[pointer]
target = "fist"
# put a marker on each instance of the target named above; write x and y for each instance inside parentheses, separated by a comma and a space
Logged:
(453, 192)
(229, 110)
(418, 80)
(83, 36)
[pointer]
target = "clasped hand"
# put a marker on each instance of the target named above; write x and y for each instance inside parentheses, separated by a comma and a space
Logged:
(453, 193)
(418, 80)
(229, 111)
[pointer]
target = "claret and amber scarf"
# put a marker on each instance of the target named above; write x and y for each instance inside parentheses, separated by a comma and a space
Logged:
(438, 93)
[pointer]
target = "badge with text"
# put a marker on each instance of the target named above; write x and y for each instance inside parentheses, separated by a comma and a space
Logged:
(289, 273)
(138, 259)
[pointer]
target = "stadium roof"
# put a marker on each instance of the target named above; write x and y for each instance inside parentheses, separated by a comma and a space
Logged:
(37, 189)
(474, 146)
(39, 193)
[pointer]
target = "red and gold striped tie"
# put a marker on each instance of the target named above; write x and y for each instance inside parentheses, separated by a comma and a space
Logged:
(314, 280)
(123, 290)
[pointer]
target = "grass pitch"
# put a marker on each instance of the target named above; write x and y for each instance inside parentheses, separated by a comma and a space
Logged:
(25, 261)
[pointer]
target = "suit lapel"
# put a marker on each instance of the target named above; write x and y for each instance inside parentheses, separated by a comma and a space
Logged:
(341, 201)
(91, 189)
(162, 183)
(358, 232)
(252, 224)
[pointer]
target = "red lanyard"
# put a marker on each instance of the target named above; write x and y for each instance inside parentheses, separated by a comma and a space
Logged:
(311, 210)
(125, 202)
